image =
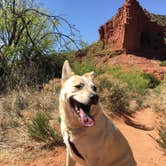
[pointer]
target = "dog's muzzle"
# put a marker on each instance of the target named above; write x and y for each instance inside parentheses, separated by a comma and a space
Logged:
(83, 110)
(94, 99)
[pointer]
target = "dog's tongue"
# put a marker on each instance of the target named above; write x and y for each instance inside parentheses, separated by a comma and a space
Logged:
(85, 119)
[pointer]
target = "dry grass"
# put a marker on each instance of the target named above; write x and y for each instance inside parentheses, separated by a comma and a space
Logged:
(17, 108)
(52, 86)
(162, 136)
(156, 99)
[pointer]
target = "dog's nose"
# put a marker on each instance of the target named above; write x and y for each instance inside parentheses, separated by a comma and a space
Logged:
(94, 99)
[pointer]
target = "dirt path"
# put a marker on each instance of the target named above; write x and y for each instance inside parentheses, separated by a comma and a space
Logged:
(145, 148)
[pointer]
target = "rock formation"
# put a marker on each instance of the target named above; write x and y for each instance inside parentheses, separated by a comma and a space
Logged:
(132, 30)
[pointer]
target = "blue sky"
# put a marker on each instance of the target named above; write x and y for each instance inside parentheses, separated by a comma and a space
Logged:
(88, 15)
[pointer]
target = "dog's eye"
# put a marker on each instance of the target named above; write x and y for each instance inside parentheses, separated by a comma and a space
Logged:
(79, 86)
(94, 88)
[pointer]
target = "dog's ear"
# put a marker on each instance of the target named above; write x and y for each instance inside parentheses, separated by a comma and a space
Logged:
(66, 71)
(89, 75)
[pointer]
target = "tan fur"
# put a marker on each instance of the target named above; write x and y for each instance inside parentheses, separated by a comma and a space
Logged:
(101, 144)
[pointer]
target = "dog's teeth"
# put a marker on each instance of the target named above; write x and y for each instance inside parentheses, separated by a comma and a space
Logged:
(76, 108)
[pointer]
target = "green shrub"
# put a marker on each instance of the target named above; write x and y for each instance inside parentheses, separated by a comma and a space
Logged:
(97, 48)
(86, 66)
(118, 99)
(152, 80)
(162, 134)
(104, 84)
(58, 119)
(113, 94)
(40, 130)
(136, 80)
(163, 63)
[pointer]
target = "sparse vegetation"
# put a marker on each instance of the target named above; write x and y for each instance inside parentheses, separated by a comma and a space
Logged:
(18, 106)
(97, 49)
(119, 99)
(156, 98)
(87, 66)
(152, 80)
(136, 80)
(17, 109)
(160, 19)
(113, 94)
(40, 130)
(162, 137)
(163, 63)
(53, 86)
(133, 79)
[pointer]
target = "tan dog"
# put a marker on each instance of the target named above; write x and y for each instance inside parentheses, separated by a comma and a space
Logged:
(91, 138)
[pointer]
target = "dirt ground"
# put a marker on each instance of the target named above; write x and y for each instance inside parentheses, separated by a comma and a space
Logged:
(143, 144)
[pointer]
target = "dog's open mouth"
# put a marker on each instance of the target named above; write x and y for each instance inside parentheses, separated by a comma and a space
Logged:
(83, 112)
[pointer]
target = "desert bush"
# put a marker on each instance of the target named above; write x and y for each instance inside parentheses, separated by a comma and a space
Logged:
(119, 99)
(33, 73)
(104, 83)
(87, 66)
(156, 98)
(152, 80)
(162, 137)
(40, 130)
(113, 94)
(58, 119)
(97, 49)
(163, 63)
(136, 80)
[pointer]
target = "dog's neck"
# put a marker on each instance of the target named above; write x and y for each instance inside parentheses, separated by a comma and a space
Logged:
(75, 131)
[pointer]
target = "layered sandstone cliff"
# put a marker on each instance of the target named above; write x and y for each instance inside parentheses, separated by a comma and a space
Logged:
(131, 29)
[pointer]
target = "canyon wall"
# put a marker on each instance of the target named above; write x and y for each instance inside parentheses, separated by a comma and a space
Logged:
(131, 30)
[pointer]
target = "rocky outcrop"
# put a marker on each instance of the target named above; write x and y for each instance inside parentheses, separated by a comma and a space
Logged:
(131, 30)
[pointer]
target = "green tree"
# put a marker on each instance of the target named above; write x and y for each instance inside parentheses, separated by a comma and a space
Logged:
(28, 35)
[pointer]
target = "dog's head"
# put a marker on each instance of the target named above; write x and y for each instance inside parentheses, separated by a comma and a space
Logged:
(79, 96)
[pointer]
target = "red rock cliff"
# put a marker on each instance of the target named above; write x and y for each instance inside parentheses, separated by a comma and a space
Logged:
(132, 30)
